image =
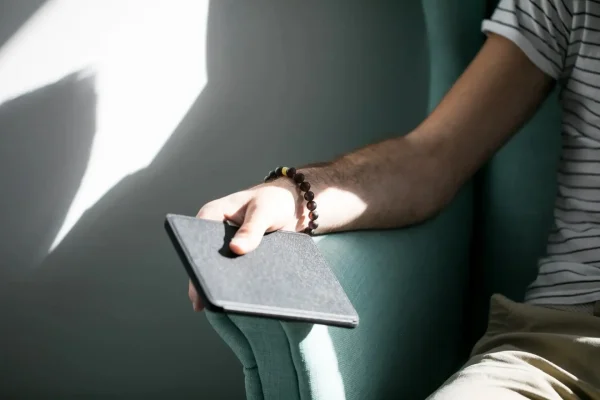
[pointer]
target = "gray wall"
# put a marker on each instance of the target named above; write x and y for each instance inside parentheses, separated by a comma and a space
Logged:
(106, 313)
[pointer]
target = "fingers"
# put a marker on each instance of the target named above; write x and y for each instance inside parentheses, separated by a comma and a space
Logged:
(194, 298)
(256, 223)
(211, 212)
(232, 208)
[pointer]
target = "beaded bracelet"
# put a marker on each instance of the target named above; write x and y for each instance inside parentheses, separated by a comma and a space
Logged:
(304, 186)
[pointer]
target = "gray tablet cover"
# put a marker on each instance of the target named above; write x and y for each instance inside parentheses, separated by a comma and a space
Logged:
(286, 277)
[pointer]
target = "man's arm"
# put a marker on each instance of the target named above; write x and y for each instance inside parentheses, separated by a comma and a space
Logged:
(404, 180)
(408, 179)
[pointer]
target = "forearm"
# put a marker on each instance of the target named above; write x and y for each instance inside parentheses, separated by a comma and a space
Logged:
(408, 179)
(376, 187)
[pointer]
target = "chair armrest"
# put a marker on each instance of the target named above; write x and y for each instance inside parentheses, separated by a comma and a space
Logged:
(408, 287)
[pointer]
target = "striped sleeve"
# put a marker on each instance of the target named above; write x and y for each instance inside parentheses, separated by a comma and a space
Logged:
(539, 27)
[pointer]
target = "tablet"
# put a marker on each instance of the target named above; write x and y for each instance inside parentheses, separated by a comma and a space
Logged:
(285, 278)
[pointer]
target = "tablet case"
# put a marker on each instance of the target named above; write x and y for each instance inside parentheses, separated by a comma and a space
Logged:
(286, 277)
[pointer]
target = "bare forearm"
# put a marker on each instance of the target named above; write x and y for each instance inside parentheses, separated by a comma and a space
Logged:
(375, 187)
(407, 179)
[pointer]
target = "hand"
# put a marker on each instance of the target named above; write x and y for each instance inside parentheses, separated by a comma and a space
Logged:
(264, 208)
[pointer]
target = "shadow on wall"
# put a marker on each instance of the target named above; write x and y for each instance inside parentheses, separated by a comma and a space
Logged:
(106, 312)
(45, 142)
(13, 14)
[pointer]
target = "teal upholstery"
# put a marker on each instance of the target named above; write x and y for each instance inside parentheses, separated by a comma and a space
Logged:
(421, 292)
(407, 287)
(514, 198)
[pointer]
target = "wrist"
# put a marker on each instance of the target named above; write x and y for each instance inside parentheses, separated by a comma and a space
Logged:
(338, 206)
(297, 184)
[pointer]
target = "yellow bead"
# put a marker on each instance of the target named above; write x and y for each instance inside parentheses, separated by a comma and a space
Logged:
(284, 171)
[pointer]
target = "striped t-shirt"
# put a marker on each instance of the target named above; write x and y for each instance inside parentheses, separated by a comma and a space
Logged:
(562, 37)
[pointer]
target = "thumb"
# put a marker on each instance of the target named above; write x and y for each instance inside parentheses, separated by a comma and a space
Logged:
(248, 237)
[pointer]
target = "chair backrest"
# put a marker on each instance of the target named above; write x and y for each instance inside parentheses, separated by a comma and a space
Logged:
(513, 202)
(514, 193)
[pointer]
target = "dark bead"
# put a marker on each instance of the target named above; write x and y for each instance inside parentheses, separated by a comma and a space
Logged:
(267, 178)
(313, 225)
(272, 175)
(299, 177)
(311, 205)
(305, 186)
(308, 231)
(309, 196)
(291, 172)
(279, 171)
(313, 215)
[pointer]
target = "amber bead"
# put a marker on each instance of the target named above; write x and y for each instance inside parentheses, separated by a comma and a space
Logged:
(309, 196)
(299, 177)
(311, 205)
(313, 215)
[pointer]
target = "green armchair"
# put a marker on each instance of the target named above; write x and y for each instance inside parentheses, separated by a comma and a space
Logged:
(421, 292)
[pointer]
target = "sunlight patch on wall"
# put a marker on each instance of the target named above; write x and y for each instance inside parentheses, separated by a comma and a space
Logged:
(149, 58)
(62, 37)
